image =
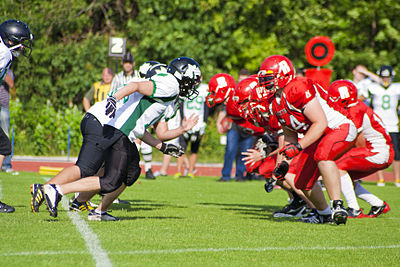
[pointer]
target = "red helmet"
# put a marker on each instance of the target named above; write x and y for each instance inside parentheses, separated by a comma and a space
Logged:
(343, 93)
(258, 106)
(220, 87)
(275, 72)
(242, 93)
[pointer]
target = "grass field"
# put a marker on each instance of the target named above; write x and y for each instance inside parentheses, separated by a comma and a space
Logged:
(195, 222)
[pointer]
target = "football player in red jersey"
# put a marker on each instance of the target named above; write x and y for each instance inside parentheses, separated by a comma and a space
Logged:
(375, 152)
(262, 158)
(301, 107)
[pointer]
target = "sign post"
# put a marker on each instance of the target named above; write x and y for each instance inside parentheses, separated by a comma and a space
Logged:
(319, 51)
(116, 48)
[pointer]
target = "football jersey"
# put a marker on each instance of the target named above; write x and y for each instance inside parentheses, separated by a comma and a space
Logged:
(296, 95)
(196, 106)
(5, 60)
(362, 87)
(137, 112)
(385, 102)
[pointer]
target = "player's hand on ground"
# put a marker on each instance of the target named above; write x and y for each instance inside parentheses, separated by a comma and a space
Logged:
(111, 106)
(252, 156)
(189, 123)
(172, 150)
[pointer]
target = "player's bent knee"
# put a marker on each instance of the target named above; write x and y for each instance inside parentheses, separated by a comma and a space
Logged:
(133, 175)
(109, 185)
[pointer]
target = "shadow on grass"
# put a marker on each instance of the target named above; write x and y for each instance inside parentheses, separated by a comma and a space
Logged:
(150, 218)
(254, 212)
(142, 204)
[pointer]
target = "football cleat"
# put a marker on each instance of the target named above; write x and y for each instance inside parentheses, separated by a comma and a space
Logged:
(353, 213)
(190, 175)
(294, 209)
(52, 197)
(37, 197)
(177, 175)
(150, 175)
(378, 210)
(380, 182)
(95, 216)
(397, 183)
(120, 201)
(316, 218)
(75, 205)
(339, 213)
(4, 208)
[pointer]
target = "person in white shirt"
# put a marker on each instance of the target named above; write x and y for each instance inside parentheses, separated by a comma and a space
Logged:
(16, 37)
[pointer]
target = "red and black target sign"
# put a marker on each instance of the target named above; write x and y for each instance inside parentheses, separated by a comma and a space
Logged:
(319, 50)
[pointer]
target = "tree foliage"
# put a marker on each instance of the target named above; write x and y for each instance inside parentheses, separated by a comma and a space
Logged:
(71, 37)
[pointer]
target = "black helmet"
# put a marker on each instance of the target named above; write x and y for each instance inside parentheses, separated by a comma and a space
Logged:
(187, 72)
(388, 72)
(16, 34)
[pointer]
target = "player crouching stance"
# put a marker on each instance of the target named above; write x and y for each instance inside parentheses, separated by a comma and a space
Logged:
(144, 104)
(301, 107)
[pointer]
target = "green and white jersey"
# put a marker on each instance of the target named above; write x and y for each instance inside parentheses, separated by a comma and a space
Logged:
(385, 103)
(197, 106)
(5, 60)
(137, 112)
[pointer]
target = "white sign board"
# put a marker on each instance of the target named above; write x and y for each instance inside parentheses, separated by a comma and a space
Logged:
(116, 47)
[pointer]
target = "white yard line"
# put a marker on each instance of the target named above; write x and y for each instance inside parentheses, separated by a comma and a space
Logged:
(195, 250)
(1, 194)
(92, 242)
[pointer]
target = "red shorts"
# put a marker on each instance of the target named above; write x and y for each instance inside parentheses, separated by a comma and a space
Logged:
(360, 162)
(333, 144)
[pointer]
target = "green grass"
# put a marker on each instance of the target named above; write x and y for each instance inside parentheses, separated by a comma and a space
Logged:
(196, 223)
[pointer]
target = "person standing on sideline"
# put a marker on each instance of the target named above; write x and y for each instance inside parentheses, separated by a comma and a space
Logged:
(196, 106)
(237, 141)
(6, 86)
(99, 89)
(15, 38)
(384, 99)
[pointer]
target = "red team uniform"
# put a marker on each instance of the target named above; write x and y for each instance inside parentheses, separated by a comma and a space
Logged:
(338, 137)
(378, 154)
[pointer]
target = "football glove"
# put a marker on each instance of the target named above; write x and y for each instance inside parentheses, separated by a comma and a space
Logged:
(172, 150)
(269, 185)
(281, 170)
(291, 150)
(111, 106)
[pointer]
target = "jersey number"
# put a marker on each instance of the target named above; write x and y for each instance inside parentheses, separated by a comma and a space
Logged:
(386, 102)
(296, 124)
(195, 104)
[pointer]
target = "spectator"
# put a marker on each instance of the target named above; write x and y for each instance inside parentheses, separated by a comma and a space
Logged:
(384, 99)
(237, 141)
(99, 90)
(195, 106)
(362, 77)
(6, 86)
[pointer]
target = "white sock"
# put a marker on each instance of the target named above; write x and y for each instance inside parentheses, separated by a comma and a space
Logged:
(362, 193)
(58, 187)
(348, 192)
(99, 211)
(147, 161)
(326, 211)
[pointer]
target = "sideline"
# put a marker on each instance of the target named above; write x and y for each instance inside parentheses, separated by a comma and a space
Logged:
(195, 250)
(92, 242)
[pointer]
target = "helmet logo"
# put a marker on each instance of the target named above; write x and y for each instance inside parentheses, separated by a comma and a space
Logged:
(344, 92)
(284, 67)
